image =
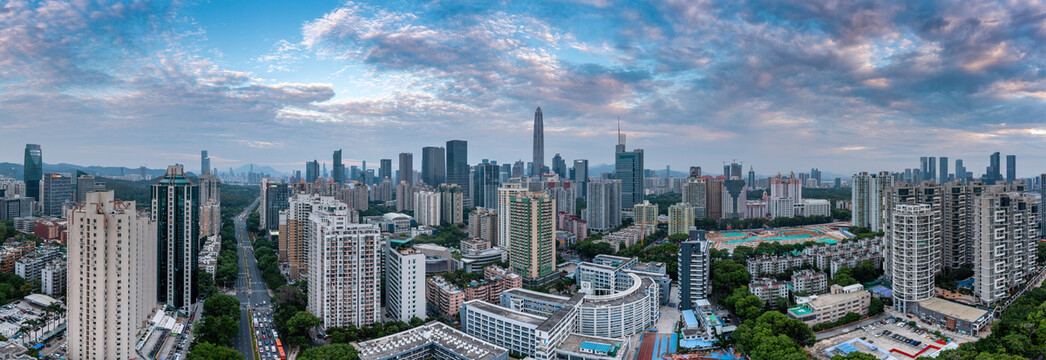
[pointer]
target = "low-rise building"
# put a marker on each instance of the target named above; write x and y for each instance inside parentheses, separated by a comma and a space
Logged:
(445, 298)
(212, 246)
(954, 316)
(624, 238)
(11, 252)
(434, 340)
(832, 307)
(53, 278)
(769, 289)
(574, 225)
(31, 263)
(809, 282)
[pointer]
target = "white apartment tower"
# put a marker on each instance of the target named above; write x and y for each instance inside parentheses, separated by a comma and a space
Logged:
(506, 191)
(914, 245)
(344, 269)
(1005, 232)
(295, 232)
(604, 205)
(427, 207)
(404, 283)
(112, 277)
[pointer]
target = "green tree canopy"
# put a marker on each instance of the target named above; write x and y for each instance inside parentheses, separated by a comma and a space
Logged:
(330, 352)
(222, 305)
(208, 351)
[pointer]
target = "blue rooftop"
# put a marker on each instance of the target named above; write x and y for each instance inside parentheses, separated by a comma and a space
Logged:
(846, 348)
(690, 318)
(595, 347)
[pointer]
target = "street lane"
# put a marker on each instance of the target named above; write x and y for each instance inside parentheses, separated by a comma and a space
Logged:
(246, 286)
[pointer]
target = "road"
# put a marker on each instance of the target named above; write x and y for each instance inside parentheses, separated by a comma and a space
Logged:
(250, 289)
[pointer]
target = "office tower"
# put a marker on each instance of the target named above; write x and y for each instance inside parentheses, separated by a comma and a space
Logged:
(815, 174)
(406, 172)
(33, 171)
(385, 172)
(581, 176)
(295, 232)
(532, 237)
(735, 199)
(404, 283)
(15, 207)
(354, 173)
(205, 163)
(931, 172)
(312, 171)
(484, 187)
(274, 197)
(993, 173)
(458, 164)
(960, 171)
(559, 166)
(680, 218)
(452, 207)
(913, 242)
(924, 168)
(694, 196)
(943, 177)
(517, 169)
(86, 183)
(344, 269)
(751, 177)
(714, 198)
(324, 170)
(111, 291)
(954, 224)
(538, 165)
(55, 190)
(505, 192)
(1005, 224)
(1011, 168)
(404, 197)
(210, 205)
(695, 257)
(339, 168)
(604, 204)
(427, 208)
(433, 165)
(176, 211)
(628, 167)
(645, 216)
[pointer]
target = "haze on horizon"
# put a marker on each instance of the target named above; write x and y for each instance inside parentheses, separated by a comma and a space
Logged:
(847, 86)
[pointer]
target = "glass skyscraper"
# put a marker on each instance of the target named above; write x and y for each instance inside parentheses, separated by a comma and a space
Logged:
(33, 171)
(176, 211)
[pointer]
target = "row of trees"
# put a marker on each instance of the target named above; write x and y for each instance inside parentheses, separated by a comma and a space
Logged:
(446, 235)
(846, 319)
(217, 329)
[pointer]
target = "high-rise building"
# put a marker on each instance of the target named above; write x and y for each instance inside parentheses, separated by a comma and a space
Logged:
(785, 193)
(344, 269)
(751, 177)
(433, 165)
(714, 198)
(176, 211)
(924, 167)
(604, 204)
(943, 178)
(628, 167)
(517, 169)
(485, 182)
(532, 237)
(913, 242)
(385, 172)
(427, 208)
(295, 232)
(505, 192)
(931, 173)
(559, 166)
(404, 196)
(735, 199)
(56, 189)
(1005, 222)
(458, 164)
(483, 224)
(994, 173)
(538, 165)
(312, 171)
(275, 195)
(86, 183)
(645, 216)
(406, 172)
(404, 283)
(868, 199)
(339, 168)
(581, 176)
(954, 224)
(112, 258)
(1042, 204)
(815, 174)
(1011, 168)
(205, 163)
(694, 196)
(680, 218)
(210, 205)
(960, 171)
(33, 171)
(695, 258)
(452, 210)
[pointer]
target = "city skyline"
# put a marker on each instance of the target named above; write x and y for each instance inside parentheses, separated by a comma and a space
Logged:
(692, 83)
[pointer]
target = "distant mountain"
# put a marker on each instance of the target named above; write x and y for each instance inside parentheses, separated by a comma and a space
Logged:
(257, 169)
(13, 170)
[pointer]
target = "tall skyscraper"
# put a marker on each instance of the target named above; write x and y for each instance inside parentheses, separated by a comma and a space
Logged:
(111, 289)
(1011, 168)
(994, 172)
(751, 177)
(458, 164)
(735, 199)
(960, 171)
(205, 163)
(433, 165)
(694, 196)
(485, 182)
(176, 211)
(931, 173)
(33, 170)
(924, 167)
(538, 165)
(628, 167)
(385, 172)
(559, 166)
(1005, 230)
(56, 190)
(406, 172)
(276, 195)
(604, 204)
(581, 176)
(943, 178)
(506, 191)
(344, 269)
(312, 171)
(532, 239)
(695, 258)
(339, 168)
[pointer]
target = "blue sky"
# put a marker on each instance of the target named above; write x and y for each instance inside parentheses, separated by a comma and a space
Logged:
(782, 85)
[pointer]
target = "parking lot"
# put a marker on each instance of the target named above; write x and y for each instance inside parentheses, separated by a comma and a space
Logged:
(892, 336)
(270, 347)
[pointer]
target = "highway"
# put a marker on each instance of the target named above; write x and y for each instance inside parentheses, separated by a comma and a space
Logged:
(250, 288)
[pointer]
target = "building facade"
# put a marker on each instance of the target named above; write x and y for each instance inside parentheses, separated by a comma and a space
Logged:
(344, 270)
(176, 211)
(404, 283)
(604, 204)
(695, 259)
(532, 237)
(1005, 224)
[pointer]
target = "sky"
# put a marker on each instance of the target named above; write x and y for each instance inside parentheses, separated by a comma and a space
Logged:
(781, 85)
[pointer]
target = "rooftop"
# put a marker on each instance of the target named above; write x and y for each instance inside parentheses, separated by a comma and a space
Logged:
(575, 342)
(533, 320)
(433, 333)
(953, 309)
(830, 299)
(561, 314)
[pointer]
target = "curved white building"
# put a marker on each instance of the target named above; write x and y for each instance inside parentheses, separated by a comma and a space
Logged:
(620, 314)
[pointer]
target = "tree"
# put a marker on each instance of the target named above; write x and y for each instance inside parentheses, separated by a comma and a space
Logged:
(866, 272)
(222, 305)
(778, 347)
(298, 326)
(727, 275)
(330, 352)
(856, 355)
(208, 351)
(876, 307)
(217, 330)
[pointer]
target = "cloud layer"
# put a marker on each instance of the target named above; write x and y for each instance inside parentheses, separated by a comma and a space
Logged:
(784, 84)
